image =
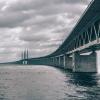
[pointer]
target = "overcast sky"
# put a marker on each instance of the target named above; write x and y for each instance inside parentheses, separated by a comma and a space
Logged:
(39, 25)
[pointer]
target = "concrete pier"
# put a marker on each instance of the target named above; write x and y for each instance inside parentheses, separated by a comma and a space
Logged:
(56, 61)
(68, 62)
(62, 61)
(84, 63)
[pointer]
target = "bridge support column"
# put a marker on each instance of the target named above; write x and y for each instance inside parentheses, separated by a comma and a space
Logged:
(59, 61)
(51, 61)
(24, 62)
(84, 63)
(62, 61)
(68, 62)
(56, 61)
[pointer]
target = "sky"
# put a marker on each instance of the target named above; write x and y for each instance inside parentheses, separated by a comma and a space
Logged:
(39, 25)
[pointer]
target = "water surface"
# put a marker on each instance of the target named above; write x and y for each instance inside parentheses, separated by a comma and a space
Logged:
(47, 83)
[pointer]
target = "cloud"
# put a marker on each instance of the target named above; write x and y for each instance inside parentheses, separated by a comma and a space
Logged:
(39, 25)
(23, 5)
(12, 19)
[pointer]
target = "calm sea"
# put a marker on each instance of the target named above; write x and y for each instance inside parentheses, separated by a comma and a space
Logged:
(46, 83)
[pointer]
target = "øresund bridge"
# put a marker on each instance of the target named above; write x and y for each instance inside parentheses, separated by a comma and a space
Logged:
(85, 37)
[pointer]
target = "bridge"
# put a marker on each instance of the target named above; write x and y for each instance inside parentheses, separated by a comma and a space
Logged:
(85, 37)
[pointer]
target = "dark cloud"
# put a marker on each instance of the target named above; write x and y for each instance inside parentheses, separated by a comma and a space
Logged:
(23, 12)
(12, 19)
(34, 38)
(23, 5)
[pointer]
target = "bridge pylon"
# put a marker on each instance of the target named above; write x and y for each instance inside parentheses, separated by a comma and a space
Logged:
(25, 57)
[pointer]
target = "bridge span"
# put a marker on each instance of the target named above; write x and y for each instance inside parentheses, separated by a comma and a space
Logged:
(85, 37)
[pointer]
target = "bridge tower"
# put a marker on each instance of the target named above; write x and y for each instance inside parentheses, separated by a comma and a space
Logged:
(25, 57)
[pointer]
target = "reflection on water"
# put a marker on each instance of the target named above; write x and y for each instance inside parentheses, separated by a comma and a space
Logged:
(47, 83)
(83, 79)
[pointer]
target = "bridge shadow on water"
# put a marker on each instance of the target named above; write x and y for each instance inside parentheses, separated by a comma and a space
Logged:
(87, 79)
(84, 86)
(84, 79)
